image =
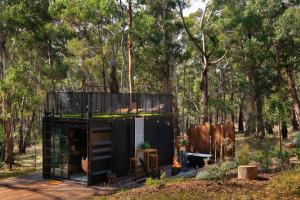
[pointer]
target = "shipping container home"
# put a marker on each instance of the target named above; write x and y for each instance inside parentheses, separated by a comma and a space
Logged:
(89, 135)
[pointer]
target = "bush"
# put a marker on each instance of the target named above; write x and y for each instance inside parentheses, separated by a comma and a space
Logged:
(243, 155)
(283, 157)
(209, 174)
(217, 171)
(298, 152)
(159, 183)
(296, 139)
(264, 159)
(226, 167)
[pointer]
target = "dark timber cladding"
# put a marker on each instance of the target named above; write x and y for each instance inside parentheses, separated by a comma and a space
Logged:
(100, 130)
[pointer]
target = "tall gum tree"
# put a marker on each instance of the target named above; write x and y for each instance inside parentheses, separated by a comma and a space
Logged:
(205, 46)
(287, 51)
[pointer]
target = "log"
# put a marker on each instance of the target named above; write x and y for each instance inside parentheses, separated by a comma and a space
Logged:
(247, 172)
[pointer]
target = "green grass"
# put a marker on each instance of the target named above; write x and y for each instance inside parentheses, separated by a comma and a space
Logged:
(25, 164)
(108, 116)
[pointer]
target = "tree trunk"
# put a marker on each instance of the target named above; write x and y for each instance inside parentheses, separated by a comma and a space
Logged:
(114, 86)
(50, 63)
(166, 78)
(250, 117)
(175, 102)
(295, 124)
(247, 172)
(269, 128)
(6, 105)
(204, 93)
(284, 130)
(232, 113)
(224, 114)
(241, 117)
(26, 129)
(21, 137)
(130, 50)
(103, 60)
(8, 133)
(260, 121)
(294, 93)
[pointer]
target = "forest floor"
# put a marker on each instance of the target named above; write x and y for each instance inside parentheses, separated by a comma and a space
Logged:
(24, 163)
(283, 185)
(276, 184)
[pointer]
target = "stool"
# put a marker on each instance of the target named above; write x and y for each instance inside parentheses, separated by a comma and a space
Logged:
(153, 161)
(133, 165)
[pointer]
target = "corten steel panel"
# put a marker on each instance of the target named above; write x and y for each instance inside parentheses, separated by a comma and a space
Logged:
(204, 137)
(208, 138)
(217, 136)
(230, 133)
(199, 138)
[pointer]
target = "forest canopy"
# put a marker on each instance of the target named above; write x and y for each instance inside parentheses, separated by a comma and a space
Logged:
(232, 60)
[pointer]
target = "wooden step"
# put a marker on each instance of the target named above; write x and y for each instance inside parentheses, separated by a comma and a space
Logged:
(102, 150)
(98, 158)
(102, 172)
(101, 143)
(99, 130)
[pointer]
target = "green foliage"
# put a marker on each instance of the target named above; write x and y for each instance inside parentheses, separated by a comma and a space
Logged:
(208, 174)
(274, 110)
(264, 159)
(217, 171)
(145, 145)
(243, 157)
(159, 183)
(283, 157)
(298, 152)
(296, 138)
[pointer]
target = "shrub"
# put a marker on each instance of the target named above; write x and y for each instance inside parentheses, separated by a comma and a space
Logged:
(296, 139)
(298, 152)
(208, 174)
(217, 171)
(243, 155)
(226, 167)
(156, 182)
(283, 157)
(264, 159)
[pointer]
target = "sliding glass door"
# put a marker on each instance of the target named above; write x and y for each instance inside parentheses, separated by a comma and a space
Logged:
(60, 152)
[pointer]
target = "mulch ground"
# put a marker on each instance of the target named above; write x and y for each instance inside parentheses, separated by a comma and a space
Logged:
(191, 188)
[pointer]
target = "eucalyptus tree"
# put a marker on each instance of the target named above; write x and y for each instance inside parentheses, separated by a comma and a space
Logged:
(205, 37)
(97, 29)
(287, 49)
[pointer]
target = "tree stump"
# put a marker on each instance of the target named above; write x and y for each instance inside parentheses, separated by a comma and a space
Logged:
(247, 172)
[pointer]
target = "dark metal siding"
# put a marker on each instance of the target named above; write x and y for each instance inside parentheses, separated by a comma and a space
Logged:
(158, 131)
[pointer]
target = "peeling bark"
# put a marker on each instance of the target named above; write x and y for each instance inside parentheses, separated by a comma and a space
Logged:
(294, 93)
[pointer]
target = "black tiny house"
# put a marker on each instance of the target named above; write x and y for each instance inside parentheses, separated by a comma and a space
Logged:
(103, 130)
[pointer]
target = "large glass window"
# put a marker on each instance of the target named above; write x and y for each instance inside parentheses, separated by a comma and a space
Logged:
(60, 152)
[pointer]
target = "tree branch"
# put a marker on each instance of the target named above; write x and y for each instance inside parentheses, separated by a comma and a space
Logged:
(194, 40)
(221, 58)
